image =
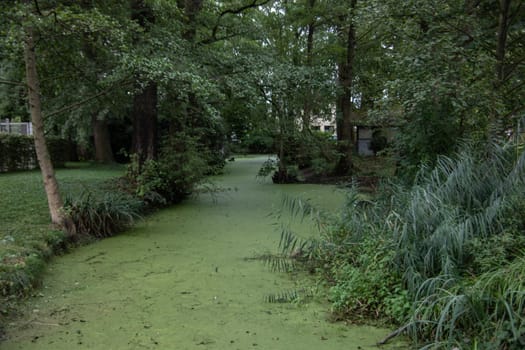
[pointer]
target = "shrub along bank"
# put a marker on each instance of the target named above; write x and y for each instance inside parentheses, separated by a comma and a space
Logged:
(444, 258)
(100, 201)
(17, 152)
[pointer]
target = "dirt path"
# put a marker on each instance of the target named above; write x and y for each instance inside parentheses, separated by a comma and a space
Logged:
(180, 280)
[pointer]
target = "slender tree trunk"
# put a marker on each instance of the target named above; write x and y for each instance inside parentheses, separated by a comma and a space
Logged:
(281, 176)
(345, 133)
(307, 106)
(503, 28)
(144, 115)
(497, 125)
(101, 140)
(54, 199)
(193, 109)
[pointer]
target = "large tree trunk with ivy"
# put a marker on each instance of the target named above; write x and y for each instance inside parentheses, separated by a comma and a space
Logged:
(345, 133)
(54, 199)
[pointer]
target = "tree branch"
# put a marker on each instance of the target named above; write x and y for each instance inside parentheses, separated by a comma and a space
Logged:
(86, 100)
(393, 335)
(10, 82)
(236, 11)
(37, 7)
(214, 39)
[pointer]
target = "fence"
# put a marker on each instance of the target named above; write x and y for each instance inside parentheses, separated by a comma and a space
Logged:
(16, 128)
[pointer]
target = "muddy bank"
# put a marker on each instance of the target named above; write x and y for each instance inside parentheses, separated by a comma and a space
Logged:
(181, 280)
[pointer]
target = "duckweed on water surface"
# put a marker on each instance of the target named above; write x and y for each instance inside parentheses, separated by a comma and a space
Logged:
(181, 280)
(25, 237)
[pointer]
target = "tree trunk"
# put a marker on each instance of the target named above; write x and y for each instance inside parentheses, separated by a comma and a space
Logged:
(191, 9)
(192, 110)
(345, 133)
(281, 175)
(503, 28)
(101, 140)
(54, 199)
(144, 115)
(144, 112)
(497, 124)
(307, 106)
(101, 134)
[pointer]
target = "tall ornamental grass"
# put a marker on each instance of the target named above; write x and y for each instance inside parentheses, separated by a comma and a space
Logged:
(443, 258)
(102, 215)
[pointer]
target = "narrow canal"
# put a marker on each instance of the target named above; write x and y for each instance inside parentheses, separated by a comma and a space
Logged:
(181, 280)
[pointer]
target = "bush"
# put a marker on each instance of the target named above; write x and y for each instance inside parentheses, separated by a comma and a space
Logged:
(310, 154)
(60, 150)
(171, 178)
(445, 256)
(431, 130)
(378, 142)
(103, 216)
(354, 256)
(469, 197)
(17, 152)
(367, 286)
(258, 142)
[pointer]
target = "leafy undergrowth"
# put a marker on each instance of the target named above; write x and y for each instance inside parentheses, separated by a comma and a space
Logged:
(26, 238)
(444, 258)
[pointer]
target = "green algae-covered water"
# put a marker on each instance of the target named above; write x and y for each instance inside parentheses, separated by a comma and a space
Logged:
(180, 280)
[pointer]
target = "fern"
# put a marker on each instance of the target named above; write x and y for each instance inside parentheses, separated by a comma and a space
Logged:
(278, 263)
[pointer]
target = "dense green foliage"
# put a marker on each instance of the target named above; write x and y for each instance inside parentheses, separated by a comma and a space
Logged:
(172, 177)
(172, 86)
(17, 152)
(443, 258)
(261, 72)
(305, 157)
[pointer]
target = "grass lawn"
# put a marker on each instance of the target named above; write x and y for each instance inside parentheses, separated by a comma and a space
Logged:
(26, 238)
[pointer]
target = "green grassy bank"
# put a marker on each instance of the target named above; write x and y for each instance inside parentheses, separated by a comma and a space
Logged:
(26, 238)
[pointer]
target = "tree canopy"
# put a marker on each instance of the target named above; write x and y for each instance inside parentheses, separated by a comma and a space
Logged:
(121, 76)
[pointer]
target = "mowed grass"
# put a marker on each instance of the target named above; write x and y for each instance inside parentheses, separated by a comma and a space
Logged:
(26, 236)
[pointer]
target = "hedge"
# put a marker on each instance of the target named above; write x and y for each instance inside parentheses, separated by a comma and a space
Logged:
(17, 152)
